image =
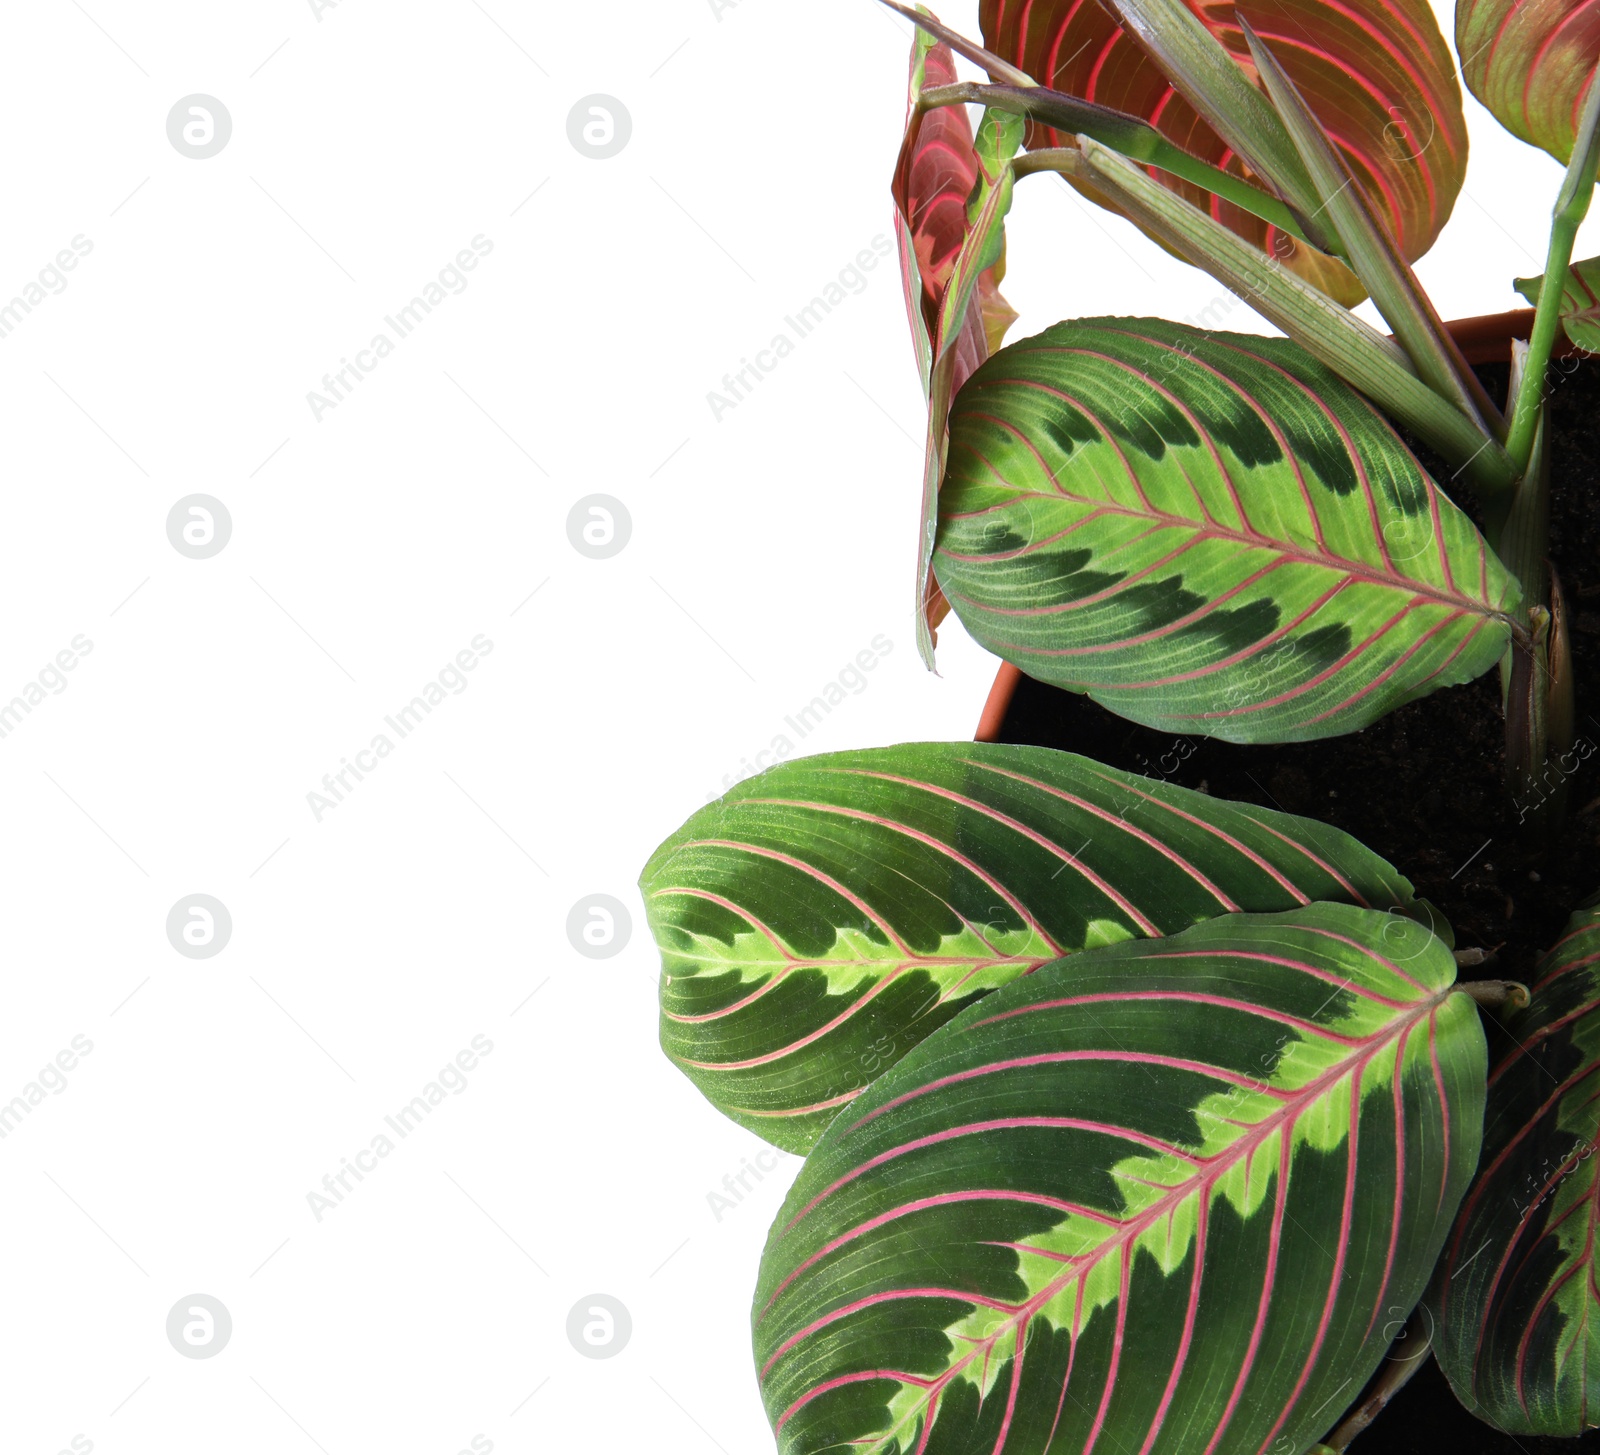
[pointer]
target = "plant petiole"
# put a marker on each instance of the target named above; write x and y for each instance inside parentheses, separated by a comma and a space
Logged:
(1572, 206)
(1133, 137)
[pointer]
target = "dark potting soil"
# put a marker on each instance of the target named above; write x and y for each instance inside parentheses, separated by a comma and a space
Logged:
(1425, 787)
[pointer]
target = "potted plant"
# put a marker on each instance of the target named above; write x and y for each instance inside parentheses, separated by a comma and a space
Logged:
(1143, 1110)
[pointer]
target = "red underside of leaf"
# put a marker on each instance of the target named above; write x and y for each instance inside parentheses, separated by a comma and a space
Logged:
(1378, 76)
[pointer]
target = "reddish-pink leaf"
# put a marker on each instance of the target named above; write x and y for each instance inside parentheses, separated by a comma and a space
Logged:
(936, 174)
(1377, 75)
(953, 329)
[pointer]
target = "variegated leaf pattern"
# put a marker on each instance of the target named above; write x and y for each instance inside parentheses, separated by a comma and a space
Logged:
(1529, 62)
(1580, 302)
(1379, 77)
(1207, 532)
(1517, 1297)
(1168, 1197)
(821, 919)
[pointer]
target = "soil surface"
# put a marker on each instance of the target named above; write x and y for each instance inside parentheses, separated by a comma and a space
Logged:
(1425, 787)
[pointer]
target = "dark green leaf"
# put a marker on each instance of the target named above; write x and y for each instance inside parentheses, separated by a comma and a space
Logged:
(820, 920)
(1171, 1197)
(1516, 1299)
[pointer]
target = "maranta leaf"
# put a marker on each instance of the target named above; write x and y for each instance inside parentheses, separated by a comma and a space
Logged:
(1207, 533)
(820, 920)
(1168, 1196)
(1517, 1297)
(1378, 76)
(1530, 62)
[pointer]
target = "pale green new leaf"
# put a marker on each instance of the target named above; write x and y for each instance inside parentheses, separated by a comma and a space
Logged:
(1580, 302)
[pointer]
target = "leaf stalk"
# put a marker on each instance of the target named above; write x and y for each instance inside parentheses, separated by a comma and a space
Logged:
(1130, 135)
(1200, 67)
(1001, 70)
(1572, 206)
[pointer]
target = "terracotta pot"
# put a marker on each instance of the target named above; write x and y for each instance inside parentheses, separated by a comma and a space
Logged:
(1484, 340)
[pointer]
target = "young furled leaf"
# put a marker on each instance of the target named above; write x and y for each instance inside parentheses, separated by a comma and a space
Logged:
(1162, 1197)
(950, 198)
(1580, 302)
(1529, 62)
(1207, 533)
(1379, 76)
(1516, 1300)
(934, 178)
(1013, 90)
(821, 919)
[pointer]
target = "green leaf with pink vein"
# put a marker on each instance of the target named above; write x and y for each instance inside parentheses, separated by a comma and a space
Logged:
(1166, 1197)
(1208, 533)
(820, 920)
(1516, 1301)
(1580, 302)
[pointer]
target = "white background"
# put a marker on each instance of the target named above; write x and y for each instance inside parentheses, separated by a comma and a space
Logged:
(370, 144)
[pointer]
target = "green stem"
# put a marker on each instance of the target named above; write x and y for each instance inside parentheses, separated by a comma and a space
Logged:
(1572, 206)
(1546, 320)
(1521, 538)
(1127, 134)
(1203, 71)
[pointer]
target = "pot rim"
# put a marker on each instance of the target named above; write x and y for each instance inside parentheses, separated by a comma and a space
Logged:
(1486, 337)
(1483, 339)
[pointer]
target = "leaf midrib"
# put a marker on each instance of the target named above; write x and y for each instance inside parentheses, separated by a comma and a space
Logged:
(1218, 1166)
(1209, 530)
